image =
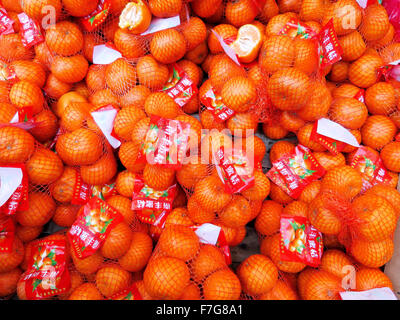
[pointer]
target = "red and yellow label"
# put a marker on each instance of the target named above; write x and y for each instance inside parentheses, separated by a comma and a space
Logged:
(329, 48)
(97, 17)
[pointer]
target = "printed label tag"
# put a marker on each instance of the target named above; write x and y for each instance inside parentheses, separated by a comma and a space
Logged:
(360, 96)
(300, 241)
(330, 50)
(166, 143)
(295, 170)
(92, 227)
(230, 52)
(179, 86)
(7, 73)
(295, 28)
(131, 293)
(371, 167)
(30, 32)
(7, 233)
(372, 294)
(48, 275)
(390, 71)
(152, 206)
(6, 23)
(97, 17)
(234, 169)
(13, 189)
(104, 118)
(105, 54)
(214, 104)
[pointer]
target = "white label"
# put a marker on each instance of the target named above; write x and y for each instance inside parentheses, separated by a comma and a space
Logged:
(335, 131)
(10, 179)
(362, 3)
(228, 50)
(158, 24)
(105, 120)
(105, 55)
(15, 119)
(373, 294)
(208, 233)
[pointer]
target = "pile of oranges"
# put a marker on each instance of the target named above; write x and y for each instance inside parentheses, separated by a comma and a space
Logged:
(91, 89)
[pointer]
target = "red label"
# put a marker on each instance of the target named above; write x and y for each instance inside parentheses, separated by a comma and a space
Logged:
(166, 142)
(92, 227)
(330, 50)
(19, 199)
(295, 170)
(97, 17)
(360, 96)
(295, 28)
(300, 241)
(6, 24)
(371, 167)
(48, 273)
(7, 73)
(132, 293)
(30, 32)
(215, 105)
(7, 233)
(82, 190)
(179, 86)
(390, 72)
(152, 206)
(235, 170)
(334, 146)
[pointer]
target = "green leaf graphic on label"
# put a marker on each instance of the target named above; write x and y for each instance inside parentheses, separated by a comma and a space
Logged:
(128, 296)
(36, 283)
(108, 222)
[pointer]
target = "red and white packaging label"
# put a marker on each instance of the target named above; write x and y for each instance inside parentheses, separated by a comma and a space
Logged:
(98, 16)
(13, 189)
(330, 50)
(159, 24)
(105, 54)
(104, 118)
(30, 31)
(230, 52)
(7, 233)
(131, 293)
(384, 293)
(214, 104)
(6, 23)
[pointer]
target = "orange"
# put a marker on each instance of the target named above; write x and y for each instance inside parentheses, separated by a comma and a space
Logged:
(65, 215)
(158, 178)
(339, 71)
(112, 279)
(123, 205)
(208, 121)
(268, 11)
(276, 23)
(135, 259)
(64, 38)
(79, 8)
(222, 285)
(288, 89)
(390, 156)
(101, 171)
(27, 234)
(344, 180)
(88, 265)
(205, 8)
(377, 215)
(179, 241)
(322, 285)
(395, 179)
(306, 55)
(222, 69)
(86, 291)
(70, 69)
(117, 242)
(210, 194)
(11, 260)
(378, 131)
(380, 98)
(168, 46)
(120, 76)
(304, 137)
(41, 209)
(242, 124)
(241, 12)
(193, 71)
(279, 149)
(126, 119)
(195, 32)
(334, 261)
(136, 96)
(349, 112)
(330, 161)
(197, 213)
(136, 17)
(241, 233)
(29, 71)
(165, 8)
(261, 187)
(390, 53)
(312, 10)
(278, 195)
(55, 88)
(117, 6)
(372, 254)
(208, 260)
(191, 292)
(104, 97)
(166, 278)
(375, 22)
(296, 208)
(387, 192)
(322, 217)
(125, 183)
(237, 213)
(290, 121)
(74, 115)
(353, 46)
(192, 172)
(318, 104)
(346, 15)
(16, 145)
(369, 278)
(44, 167)
(8, 282)
(277, 52)
(47, 126)
(11, 48)
(310, 191)
(345, 90)
(257, 274)
(363, 71)
(274, 253)
(128, 154)
(227, 32)
(281, 291)
(37, 9)
(289, 5)
(198, 54)
(268, 220)
(73, 147)
(27, 94)
(151, 73)
(162, 105)
(11, 5)
(62, 189)
(179, 216)
(130, 45)
(96, 77)
(194, 132)
(239, 94)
